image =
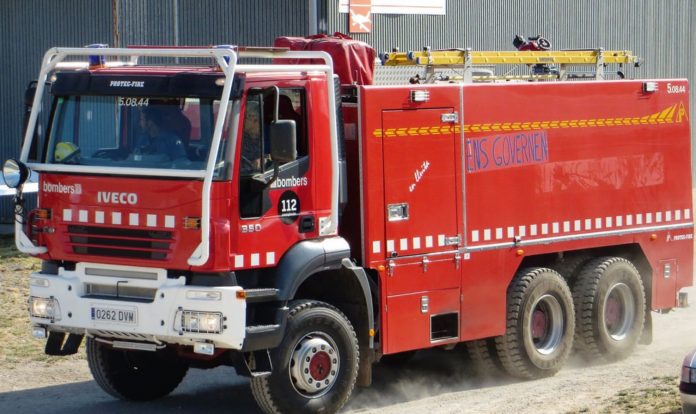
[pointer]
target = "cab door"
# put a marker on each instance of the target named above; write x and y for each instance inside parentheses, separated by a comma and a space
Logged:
(421, 228)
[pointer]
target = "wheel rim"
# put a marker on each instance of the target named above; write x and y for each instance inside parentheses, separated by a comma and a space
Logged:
(314, 365)
(546, 324)
(619, 311)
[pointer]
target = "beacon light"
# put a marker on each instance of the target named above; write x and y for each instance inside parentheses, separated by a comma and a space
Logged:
(97, 61)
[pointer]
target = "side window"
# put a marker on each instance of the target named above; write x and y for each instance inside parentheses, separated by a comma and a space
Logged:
(291, 105)
(255, 164)
(252, 152)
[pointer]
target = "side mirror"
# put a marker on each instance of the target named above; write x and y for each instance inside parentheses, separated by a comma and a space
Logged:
(283, 137)
(15, 173)
(29, 95)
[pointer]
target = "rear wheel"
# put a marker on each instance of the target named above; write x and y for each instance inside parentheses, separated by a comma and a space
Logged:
(133, 375)
(315, 366)
(484, 357)
(540, 324)
(610, 309)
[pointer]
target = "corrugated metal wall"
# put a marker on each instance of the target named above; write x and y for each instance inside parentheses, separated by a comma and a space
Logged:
(658, 31)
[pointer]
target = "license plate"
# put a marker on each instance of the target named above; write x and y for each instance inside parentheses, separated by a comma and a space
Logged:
(115, 314)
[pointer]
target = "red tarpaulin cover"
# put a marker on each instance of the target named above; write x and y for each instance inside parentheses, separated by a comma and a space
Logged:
(354, 61)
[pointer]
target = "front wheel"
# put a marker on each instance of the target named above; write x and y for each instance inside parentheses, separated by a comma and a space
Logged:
(315, 366)
(134, 375)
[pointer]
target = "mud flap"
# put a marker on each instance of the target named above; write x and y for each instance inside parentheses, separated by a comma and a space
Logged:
(367, 356)
(56, 347)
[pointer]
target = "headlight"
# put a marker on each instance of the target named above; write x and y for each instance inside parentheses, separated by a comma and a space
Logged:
(46, 308)
(201, 322)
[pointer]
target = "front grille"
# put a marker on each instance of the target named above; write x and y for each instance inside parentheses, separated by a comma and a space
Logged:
(118, 242)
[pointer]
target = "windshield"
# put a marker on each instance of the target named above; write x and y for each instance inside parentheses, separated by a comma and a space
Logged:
(135, 132)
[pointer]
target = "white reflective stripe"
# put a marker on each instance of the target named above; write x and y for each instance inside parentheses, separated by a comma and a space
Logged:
(83, 216)
(577, 225)
(376, 246)
(619, 221)
(255, 257)
(658, 217)
(687, 214)
(67, 214)
(498, 235)
(648, 218)
(99, 217)
(639, 219)
(598, 223)
(151, 220)
(608, 222)
(416, 243)
(169, 222)
(566, 226)
(474, 236)
(677, 214)
(115, 217)
(668, 216)
(390, 246)
(588, 224)
(403, 244)
(428, 241)
(522, 231)
(545, 228)
(440, 240)
(270, 258)
(510, 232)
(629, 220)
(133, 219)
(533, 230)
(238, 261)
(556, 227)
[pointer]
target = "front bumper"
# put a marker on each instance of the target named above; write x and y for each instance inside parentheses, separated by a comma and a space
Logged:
(86, 293)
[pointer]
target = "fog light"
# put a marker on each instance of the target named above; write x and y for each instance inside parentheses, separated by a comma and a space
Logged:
(201, 322)
(39, 282)
(46, 308)
(38, 332)
(203, 348)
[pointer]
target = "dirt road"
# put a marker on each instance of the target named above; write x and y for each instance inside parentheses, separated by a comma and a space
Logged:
(434, 382)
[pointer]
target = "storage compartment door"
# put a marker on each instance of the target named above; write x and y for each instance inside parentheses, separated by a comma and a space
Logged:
(419, 181)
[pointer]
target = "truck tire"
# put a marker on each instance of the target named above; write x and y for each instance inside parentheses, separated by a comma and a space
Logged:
(315, 366)
(484, 358)
(133, 375)
(540, 324)
(570, 266)
(610, 309)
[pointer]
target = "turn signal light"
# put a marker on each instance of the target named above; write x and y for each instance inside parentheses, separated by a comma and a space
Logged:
(192, 223)
(43, 213)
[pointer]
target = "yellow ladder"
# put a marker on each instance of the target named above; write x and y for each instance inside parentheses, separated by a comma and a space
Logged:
(467, 59)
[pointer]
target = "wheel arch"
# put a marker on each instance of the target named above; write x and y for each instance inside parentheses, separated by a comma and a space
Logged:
(322, 270)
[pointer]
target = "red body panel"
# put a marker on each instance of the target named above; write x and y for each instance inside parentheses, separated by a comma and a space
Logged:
(552, 166)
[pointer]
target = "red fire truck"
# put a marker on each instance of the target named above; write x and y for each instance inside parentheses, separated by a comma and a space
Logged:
(300, 226)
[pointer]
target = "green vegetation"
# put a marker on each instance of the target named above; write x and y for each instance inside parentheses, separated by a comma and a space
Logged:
(19, 346)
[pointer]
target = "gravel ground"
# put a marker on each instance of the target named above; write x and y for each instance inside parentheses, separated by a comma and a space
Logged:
(434, 381)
